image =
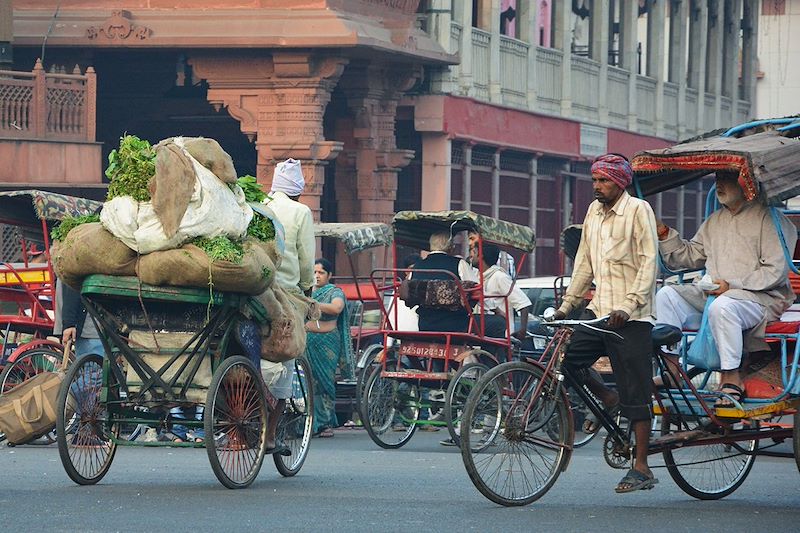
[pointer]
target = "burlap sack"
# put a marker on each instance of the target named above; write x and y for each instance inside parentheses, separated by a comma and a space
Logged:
(189, 266)
(90, 249)
(284, 337)
(172, 186)
(210, 154)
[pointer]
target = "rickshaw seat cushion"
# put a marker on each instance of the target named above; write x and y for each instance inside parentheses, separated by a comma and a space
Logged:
(665, 335)
(789, 328)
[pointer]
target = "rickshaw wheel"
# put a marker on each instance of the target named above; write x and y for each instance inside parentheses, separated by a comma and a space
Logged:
(508, 427)
(711, 471)
(236, 422)
(796, 438)
(82, 423)
(28, 364)
(294, 429)
(391, 410)
(456, 397)
(362, 374)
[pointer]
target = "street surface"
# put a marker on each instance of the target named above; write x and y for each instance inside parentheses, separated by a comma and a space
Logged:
(349, 484)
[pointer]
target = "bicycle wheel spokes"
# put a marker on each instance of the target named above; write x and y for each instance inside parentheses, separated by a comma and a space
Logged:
(236, 417)
(85, 448)
(294, 429)
(391, 410)
(710, 471)
(517, 442)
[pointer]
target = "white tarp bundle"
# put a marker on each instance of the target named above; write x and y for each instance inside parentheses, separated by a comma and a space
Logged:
(215, 208)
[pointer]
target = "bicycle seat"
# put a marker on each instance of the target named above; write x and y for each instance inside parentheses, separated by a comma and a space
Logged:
(665, 335)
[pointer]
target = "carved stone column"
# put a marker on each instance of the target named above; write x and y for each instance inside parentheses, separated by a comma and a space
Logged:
(280, 102)
(373, 92)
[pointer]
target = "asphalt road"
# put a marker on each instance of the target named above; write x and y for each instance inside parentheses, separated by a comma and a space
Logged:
(349, 484)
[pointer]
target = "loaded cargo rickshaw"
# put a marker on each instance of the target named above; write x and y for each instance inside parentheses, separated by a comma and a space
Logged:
(173, 347)
(27, 286)
(433, 371)
(519, 414)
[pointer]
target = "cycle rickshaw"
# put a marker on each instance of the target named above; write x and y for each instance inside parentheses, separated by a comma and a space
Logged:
(521, 436)
(27, 288)
(416, 364)
(362, 299)
(169, 347)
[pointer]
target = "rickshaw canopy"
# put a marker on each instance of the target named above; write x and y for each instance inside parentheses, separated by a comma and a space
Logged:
(27, 208)
(356, 236)
(770, 159)
(414, 228)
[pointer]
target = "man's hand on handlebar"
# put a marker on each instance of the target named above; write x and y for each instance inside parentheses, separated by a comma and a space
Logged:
(617, 319)
(559, 315)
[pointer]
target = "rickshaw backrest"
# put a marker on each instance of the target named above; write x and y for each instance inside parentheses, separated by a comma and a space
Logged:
(433, 293)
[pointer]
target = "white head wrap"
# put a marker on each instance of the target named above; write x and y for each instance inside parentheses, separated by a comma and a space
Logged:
(288, 178)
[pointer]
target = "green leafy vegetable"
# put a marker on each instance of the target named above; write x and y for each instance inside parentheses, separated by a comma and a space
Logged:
(130, 169)
(59, 233)
(252, 189)
(220, 248)
(261, 228)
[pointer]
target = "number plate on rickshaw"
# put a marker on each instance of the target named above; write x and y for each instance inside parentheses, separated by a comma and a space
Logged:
(430, 349)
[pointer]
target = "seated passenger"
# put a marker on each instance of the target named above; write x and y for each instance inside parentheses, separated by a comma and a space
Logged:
(440, 258)
(496, 284)
(741, 251)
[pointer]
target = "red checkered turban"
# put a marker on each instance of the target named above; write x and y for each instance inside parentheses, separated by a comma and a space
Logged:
(613, 167)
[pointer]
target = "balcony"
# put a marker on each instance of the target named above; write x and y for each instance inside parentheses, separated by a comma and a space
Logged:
(515, 74)
(47, 128)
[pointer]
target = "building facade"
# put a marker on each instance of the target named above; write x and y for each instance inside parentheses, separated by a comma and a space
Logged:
(497, 106)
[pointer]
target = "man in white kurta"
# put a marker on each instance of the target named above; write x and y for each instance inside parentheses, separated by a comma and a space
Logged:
(296, 270)
(740, 249)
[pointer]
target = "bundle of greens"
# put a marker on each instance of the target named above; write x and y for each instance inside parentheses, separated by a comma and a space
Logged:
(130, 169)
(261, 228)
(252, 190)
(59, 233)
(220, 248)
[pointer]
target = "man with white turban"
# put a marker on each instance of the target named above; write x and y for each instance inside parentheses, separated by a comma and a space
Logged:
(296, 271)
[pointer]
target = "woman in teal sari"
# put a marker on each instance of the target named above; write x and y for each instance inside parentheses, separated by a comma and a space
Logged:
(328, 347)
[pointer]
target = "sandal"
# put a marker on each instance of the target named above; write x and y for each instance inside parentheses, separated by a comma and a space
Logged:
(324, 433)
(733, 392)
(592, 425)
(635, 480)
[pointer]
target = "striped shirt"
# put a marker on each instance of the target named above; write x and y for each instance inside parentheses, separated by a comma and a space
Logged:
(618, 252)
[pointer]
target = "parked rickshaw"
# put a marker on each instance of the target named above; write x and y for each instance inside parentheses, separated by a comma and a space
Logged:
(172, 347)
(362, 299)
(27, 287)
(424, 363)
(521, 436)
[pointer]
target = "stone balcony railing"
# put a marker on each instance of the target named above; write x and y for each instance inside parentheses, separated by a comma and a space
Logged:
(47, 106)
(515, 74)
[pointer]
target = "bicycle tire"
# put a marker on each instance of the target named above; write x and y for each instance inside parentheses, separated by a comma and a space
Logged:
(389, 402)
(236, 422)
(712, 471)
(497, 403)
(362, 374)
(457, 393)
(295, 427)
(85, 452)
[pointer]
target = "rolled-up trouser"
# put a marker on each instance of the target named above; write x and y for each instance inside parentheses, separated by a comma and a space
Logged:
(279, 377)
(631, 360)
